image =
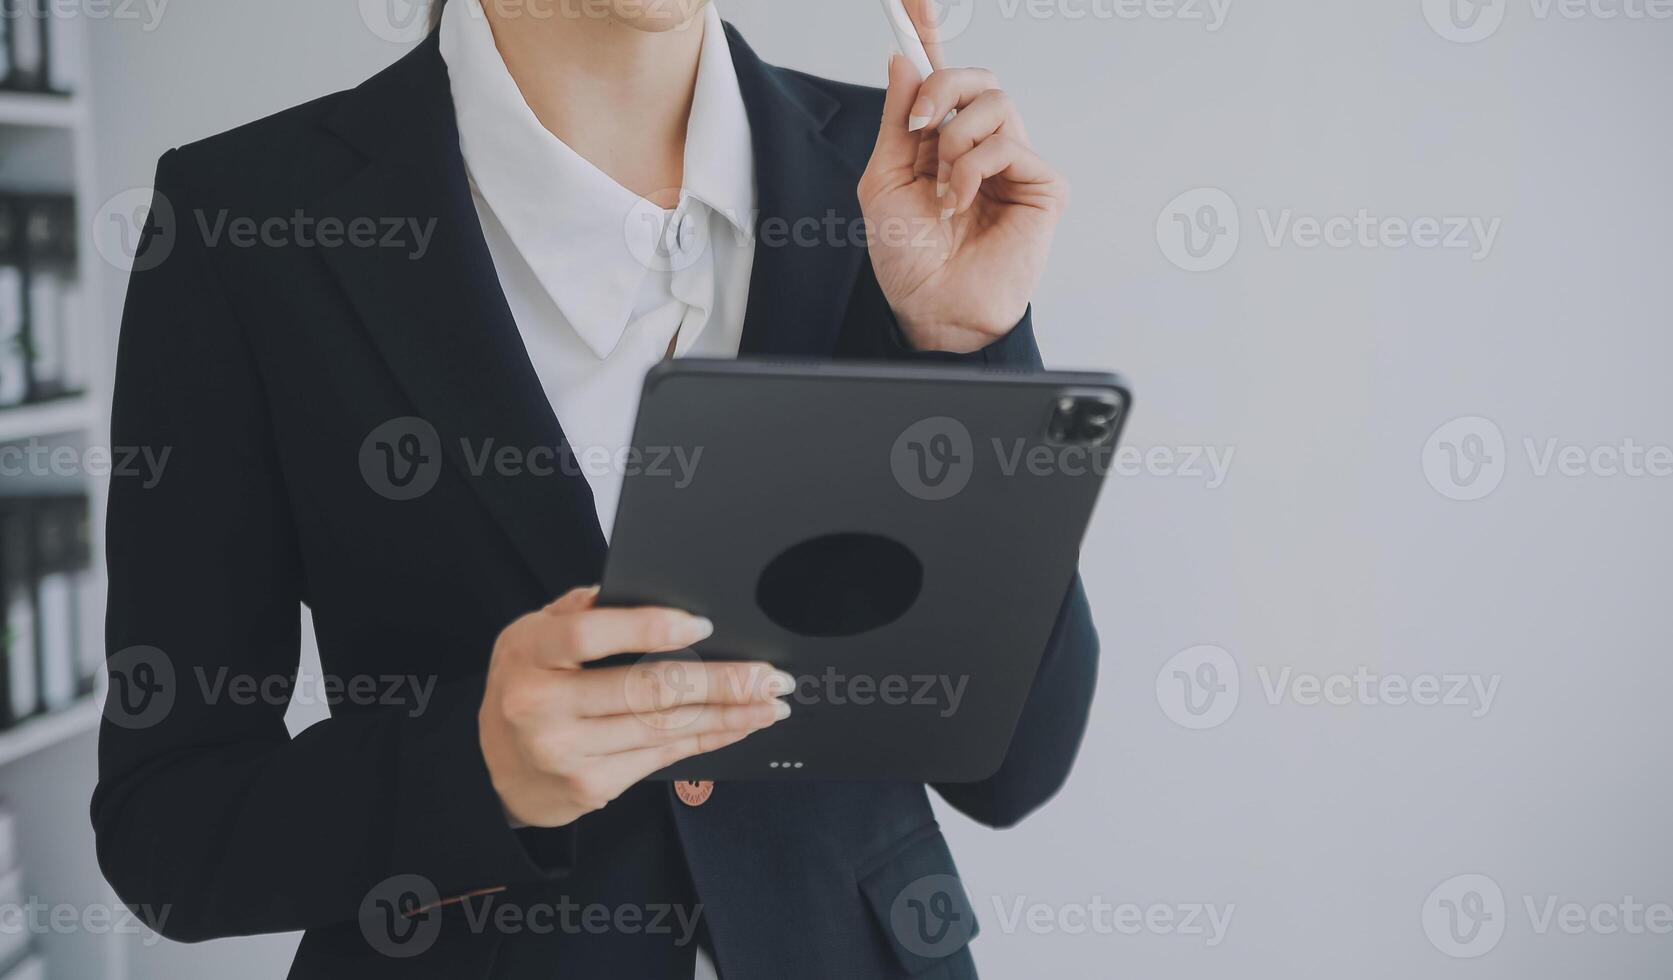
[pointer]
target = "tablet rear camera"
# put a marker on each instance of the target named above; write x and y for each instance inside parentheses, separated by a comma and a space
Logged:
(1084, 418)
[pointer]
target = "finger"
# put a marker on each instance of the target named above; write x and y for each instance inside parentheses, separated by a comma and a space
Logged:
(652, 687)
(575, 600)
(626, 768)
(997, 156)
(567, 641)
(989, 113)
(897, 146)
(923, 17)
(624, 733)
(947, 90)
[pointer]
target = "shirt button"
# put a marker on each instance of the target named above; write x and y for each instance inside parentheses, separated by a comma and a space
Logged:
(687, 235)
(694, 794)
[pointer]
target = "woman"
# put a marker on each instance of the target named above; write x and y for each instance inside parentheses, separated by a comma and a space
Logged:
(486, 246)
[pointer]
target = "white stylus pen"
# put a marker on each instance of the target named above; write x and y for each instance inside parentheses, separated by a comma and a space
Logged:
(909, 43)
(906, 37)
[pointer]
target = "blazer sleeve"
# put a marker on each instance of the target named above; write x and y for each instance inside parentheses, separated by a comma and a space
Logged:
(1054, 719)
(205, 806)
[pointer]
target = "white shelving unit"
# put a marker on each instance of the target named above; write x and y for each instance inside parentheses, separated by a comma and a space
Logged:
(49, 111)
(40, 734)
(48, 765)
(46, 420)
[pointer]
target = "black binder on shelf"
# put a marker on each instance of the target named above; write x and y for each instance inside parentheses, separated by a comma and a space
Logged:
(50, 604)
(28, 43)
(52, 297)
(14, 353)
(17, 606)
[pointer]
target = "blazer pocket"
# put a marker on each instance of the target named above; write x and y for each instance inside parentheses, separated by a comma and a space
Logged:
(920, 903)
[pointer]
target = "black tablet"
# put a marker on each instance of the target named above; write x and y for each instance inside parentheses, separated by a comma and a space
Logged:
(898, 538)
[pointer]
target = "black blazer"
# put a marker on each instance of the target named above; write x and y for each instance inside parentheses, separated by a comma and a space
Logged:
(263, 366)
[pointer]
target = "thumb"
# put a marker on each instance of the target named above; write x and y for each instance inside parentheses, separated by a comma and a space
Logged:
(897, 148)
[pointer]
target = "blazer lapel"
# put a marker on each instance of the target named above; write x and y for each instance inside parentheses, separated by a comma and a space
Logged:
(441, 320)
(808, 245)
(442, 324)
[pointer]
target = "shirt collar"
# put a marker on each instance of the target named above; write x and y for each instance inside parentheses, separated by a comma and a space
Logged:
(585, 237)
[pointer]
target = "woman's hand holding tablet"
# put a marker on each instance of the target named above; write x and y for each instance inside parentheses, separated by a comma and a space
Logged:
(561, 741)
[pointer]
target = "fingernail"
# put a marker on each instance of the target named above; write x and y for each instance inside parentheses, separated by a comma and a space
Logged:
(922, 112)
(779, 683)
(942, 174)
(781, 711)
(696, 628)
(946, 213)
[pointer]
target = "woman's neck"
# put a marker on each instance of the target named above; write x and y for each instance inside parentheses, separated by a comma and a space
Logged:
(618, 96)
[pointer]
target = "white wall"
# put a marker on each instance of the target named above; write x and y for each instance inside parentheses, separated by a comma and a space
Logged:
(1323, 371)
